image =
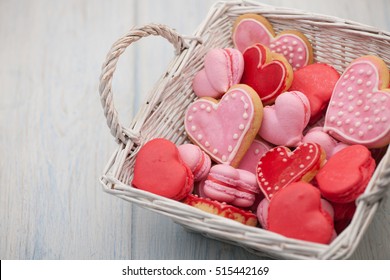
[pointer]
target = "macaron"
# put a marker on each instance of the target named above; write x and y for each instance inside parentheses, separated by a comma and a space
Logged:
(345, 176)
(222, 209)
(223, 68)
(159, 169)
(234, 186)
(197, 160)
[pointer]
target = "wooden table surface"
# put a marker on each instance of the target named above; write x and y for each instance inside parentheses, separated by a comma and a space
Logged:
(54, 142)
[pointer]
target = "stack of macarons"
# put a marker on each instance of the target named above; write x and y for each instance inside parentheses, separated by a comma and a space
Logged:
(275, 139)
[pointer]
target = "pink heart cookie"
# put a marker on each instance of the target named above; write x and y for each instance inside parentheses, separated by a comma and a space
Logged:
(257, 149)
(359, 110)
(225, 129)
(223, 68)
(250, 29)
(284, 122)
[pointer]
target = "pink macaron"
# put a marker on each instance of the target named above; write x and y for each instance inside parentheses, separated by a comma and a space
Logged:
(223, 68)
(197, 160)
(234, 186)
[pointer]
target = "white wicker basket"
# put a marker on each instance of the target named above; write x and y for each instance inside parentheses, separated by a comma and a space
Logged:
(335, 41)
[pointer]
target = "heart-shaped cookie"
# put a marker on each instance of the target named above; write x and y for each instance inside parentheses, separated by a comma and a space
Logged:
(284, 122)
(257, 149)
(159, 169)
(225, 129)
(296, 212)
(267, 73)
(316, 81)
(279, 167)
(359, 110)
(250, 29)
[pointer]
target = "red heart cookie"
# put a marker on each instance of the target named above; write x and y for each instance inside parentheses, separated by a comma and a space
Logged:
(225, 129)
(279, 167)
(250, 29)
(268, 74)
(159, 169)
(296, 212)
(359, 110)
(316, 81)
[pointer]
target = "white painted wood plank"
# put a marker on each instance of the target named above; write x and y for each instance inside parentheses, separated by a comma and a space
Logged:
(54, 142)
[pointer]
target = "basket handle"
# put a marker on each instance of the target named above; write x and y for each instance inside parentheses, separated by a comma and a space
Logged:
(109, 66)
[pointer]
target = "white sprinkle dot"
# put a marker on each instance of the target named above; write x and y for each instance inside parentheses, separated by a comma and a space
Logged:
(347, 121)
(300, 50)
(351, 130)
(200, 136)
(230, 149)
(339, 123)
(292, 174)
(245, 116)
(283, 181)
(368, 83)
(359, 81)
(352, 78)
(224, 158)
(366, 119)
(301, 166)
(291, 55)
(269, 188)
(349, 89)
(284, 160)
(295, 42)
(359, 102)
(190, 118)
(257, 151)
(215, 151)
(369, 95)
(377, 120)
(194, 109)
(369, 72)
(350, 109)
(241, 127)
(235, 136)
(276, 188)
(202, 106)
(361, 133)
(193, 128)
(308, 157)
(341, 104)
(366, 108)
(341, 94)
(332, 119)
(207, 144)
(208, 109)
(266, 183)
(357, 124)
(370, 127)
(384, 119)
(340, 113)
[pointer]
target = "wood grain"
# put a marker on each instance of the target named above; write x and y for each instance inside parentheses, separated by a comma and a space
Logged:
(55, 143)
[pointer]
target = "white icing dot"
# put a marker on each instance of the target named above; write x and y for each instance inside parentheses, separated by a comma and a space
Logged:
(278, 149)
(301, 166)
(291, 49)
(215, 151)
(369, 95)
(230, 149)
(271, 195)
(276, 188)
(257, 151)
(368, 83)
(298, 65)
(350, 108)
(190, 118)
(200, 136)
(266, 183)
(361, 71)
(284, 160)
(350, 97)
(278, 50)
(352, 78)
(384, 119)
(234, 95)
(340, 113)
(351, 130)
(290, 61)
(278, 43)
(224, 158)
(272, 46)
(366, 108)
(305, 145)
(346, 77)
(366, 119)
(268, 189)
(341, 104)
(208, 109)
(235, 136)
(285, 40)
(241, 127)
(347, 121)
(283, 181)
(193, 128)
(308, 157)
(343, 84)
(292, 174)
(332, 119)
(246, 106)
(370, 127)
(295, 42)
(349, 89)
(369, 72)
(359, 102)
(300, 50)
(359, 81)
(361, 133)
(377, 120)
(194, 109)
(300, 57)
(383, 98)
(341, 94)
(202, 106)
(291, 55)
(376, 111)
(357, 124)
(245, 116)
(263, 180)
(339, 123)
(207, 144)
(375, 101)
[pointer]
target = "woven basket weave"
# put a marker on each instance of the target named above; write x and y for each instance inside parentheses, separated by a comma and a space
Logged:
(335, 41)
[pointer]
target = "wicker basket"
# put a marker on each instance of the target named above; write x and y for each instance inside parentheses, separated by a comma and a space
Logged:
(335, 41)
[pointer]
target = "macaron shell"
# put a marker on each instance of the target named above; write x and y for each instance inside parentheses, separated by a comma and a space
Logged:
(198, 161)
